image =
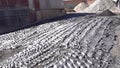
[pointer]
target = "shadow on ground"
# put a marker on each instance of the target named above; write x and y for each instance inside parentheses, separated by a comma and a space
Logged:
(7, 29)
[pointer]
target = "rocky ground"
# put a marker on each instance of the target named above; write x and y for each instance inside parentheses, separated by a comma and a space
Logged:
(81, 42)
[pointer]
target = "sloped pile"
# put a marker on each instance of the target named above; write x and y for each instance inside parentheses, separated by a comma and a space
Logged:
(84, 43)
(101, 5)
(81, 6)
(22, 36)
(107, 13)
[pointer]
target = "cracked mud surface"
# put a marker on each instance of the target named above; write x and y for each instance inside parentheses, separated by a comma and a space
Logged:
(82, 42)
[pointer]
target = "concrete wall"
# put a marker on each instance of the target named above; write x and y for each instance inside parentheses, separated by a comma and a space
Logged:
(39, 9)
(51, 4)
(31, 4)
(56, 4)
(14, 16)
(50, 9)
(72, 3)
(13, 3)
(49, 13)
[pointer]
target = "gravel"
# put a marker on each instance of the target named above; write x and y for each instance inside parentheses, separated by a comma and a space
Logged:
(82, 42)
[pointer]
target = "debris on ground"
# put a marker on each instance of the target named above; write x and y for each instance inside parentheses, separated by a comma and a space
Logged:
(74, 43)
(81, 6)
(102, 5)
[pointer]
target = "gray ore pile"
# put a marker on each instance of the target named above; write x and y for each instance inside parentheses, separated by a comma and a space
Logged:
(102, 5)
(107, 13)
(82, 42)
